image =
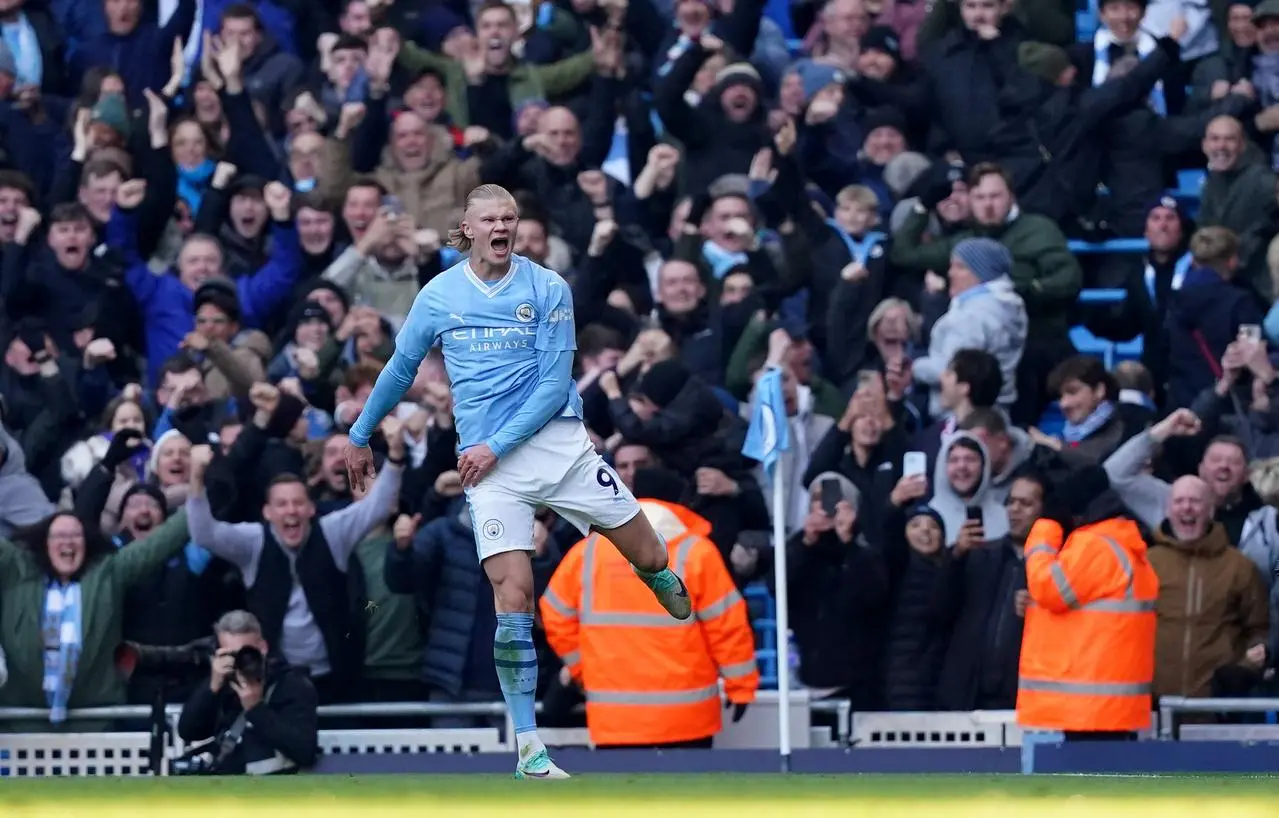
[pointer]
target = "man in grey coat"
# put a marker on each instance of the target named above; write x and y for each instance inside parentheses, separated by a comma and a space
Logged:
(985, 313)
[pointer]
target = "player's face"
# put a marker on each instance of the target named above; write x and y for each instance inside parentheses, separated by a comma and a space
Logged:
(491, 226)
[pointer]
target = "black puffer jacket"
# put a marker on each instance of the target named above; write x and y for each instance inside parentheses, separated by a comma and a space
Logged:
(918, 629)
(837, 598)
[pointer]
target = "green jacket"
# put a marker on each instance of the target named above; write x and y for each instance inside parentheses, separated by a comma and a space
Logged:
(1243, 199)
(527, 82)
(102, 590)
(1045, 273)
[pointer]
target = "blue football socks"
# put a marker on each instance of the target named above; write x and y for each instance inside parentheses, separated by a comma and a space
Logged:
(516, 663)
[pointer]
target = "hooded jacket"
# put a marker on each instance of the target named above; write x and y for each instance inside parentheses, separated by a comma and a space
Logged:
(22, 501)
(1212, 608)
(954, 509)
(992, 318)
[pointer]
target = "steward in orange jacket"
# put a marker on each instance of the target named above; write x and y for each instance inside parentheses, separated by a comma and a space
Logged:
(1088, 649)
(649, 679)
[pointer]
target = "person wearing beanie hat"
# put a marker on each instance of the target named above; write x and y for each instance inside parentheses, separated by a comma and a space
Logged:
(1048, 62)
(919, 568)
(112, 112)
(139, 516)
(816, 77)
(663, 382)
(986, 259)
(985, 313)
(244, 235)
(231, 359)
(727, 125)
(881, 54)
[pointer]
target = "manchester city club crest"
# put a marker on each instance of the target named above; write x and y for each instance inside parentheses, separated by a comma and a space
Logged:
(525, 313)
(493, 529)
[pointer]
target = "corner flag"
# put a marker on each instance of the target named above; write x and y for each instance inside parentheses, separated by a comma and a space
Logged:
(769, 432)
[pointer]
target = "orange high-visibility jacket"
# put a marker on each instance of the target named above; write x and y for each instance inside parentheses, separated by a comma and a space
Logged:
(1088, 648)
(649, 678)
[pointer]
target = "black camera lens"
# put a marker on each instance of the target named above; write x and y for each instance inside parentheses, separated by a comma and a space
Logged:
(249, 663)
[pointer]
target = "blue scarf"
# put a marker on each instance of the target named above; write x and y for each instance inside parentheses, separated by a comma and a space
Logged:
(192, 182)
(1075, 433)
(62, 641)
(720, 260)
(858, 251)
(1179, 271)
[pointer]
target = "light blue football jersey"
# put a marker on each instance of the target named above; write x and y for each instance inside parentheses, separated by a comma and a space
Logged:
(491, 334)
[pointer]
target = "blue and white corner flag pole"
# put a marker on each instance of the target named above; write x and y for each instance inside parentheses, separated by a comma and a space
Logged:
(767, 438)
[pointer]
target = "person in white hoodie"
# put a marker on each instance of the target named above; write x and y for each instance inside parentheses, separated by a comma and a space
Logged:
(985, 313)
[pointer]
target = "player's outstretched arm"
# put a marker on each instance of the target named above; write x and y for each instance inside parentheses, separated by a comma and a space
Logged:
(411, 345)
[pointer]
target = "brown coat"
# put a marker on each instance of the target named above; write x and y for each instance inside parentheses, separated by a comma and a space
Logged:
(1212, 607)
(434, 195)
(230, 370)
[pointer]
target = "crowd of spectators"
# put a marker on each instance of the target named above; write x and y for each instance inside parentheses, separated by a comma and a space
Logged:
(214, 217)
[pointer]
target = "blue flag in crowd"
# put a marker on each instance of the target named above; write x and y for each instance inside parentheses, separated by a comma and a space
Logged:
(769, 432)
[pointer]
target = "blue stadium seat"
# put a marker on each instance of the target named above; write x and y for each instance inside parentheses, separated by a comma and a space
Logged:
(1111, 246)
(1088, 344)
(762, 612)
(1052, 421)
(1085, 25)
(1102, 296)
(1190, 183)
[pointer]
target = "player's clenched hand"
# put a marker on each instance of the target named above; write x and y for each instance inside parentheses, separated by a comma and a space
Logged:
(475, 464)
(359, 465)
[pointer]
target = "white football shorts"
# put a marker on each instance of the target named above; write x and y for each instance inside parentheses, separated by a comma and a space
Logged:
(557, 468)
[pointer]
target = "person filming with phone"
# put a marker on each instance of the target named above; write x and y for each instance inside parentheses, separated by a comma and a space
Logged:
(389, 262)
(256, 716)
(838, 592)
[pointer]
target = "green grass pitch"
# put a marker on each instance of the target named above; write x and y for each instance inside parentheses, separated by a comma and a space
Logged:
(657, 796)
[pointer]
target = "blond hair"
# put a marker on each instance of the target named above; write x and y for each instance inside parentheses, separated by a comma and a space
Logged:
(483, 193)
(858, 196)
(1214, 247)
(1264, 476)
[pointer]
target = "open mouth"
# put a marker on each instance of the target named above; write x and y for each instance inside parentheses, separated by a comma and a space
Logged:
(66, 554)
(497, 45)
(291, 530)
(143, 524)
(501, 246)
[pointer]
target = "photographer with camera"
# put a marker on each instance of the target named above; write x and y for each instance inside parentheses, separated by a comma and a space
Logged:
(256, 716)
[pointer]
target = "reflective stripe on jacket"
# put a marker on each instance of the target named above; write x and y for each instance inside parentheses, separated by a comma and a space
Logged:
(649, 678)
(1088, 650)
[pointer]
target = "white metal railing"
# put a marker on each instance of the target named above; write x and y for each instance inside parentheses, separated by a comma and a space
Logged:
(124, 753)
(128, 753)
(1171, 707)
